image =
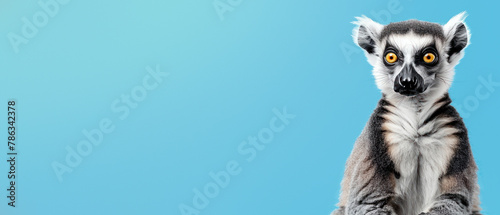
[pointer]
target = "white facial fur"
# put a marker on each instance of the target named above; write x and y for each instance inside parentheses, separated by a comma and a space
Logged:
(409, 44)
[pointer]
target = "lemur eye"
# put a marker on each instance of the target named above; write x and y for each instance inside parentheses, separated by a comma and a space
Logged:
(391, 57)
(429, 57)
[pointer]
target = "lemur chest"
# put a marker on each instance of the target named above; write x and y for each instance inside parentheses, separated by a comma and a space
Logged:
(420, 151)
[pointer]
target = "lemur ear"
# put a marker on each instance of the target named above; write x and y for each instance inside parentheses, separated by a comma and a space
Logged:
(367, 34)
(457, 37)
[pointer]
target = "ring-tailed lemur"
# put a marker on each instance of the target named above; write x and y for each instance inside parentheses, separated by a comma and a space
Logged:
(413, 157)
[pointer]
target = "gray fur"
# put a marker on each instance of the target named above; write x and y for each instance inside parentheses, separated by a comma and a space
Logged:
(370, 177)
(417, 26)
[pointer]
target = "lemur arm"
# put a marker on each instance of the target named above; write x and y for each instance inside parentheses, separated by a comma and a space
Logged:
(371, 187)
(371, 193)
(455, 197)
(373, 178)
(459, 190)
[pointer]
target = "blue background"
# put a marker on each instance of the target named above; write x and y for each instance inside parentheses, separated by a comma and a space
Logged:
(226, 76)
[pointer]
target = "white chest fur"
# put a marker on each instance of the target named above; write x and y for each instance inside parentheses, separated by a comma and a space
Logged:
(420, 152)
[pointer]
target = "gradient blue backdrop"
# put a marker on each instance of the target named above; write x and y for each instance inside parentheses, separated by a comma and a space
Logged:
(225, 79)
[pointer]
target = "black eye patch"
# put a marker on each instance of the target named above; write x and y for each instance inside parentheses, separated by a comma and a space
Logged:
(426, 54)
(391, 49)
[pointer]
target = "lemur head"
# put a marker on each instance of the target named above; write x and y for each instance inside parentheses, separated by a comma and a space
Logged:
(413, 57)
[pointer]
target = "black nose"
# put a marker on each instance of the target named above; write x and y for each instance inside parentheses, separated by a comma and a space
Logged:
(409, 82)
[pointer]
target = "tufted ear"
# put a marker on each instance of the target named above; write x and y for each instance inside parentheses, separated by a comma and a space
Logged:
(367, 34)
(457, 37)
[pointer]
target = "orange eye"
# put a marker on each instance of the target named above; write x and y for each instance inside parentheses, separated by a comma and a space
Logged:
(429, 57)
(391, 57)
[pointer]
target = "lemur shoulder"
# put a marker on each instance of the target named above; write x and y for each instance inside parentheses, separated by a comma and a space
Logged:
(413, 156)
